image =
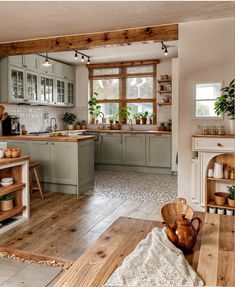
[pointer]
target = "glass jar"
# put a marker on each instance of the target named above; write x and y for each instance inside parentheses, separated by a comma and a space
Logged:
(212, 130)
(221, 130)
(205, 130)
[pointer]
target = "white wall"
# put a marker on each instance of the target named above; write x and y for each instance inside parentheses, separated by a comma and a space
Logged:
(206, 53)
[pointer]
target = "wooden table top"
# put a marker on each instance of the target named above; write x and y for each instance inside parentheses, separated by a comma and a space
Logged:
(4, 161)
(213, 257)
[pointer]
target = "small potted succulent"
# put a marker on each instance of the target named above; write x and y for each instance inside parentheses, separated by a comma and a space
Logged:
(83, 125)
(144, 117)
(124, 113)
(94, 108)
(161, 127)
(69, 119)
(6, 201)
(231, 197)
(168, 125)
(152, 119)
(111, 120)
(137, 117)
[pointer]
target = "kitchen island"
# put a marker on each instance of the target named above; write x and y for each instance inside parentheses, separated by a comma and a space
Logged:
(66, 164)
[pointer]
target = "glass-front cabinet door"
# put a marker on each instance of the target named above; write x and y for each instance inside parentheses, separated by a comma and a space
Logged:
(60, 98)
(31, 87)
(47, 90)
(70, 100)
(17, 91)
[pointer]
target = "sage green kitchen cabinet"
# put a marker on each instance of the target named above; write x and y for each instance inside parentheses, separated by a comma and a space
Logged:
(23, 145)
(39, 151)
(17, 87)
(32, 87)
(48, 70)
(63, 161)
(47, 94)
(158, 150)
(134, 149)
(60, 92)
(69, 72)
(31, 62)
(70, 94)
(97, 158)
(16, 61)
(111, 148)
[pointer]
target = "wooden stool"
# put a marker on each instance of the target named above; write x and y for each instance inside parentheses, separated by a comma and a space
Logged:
(33, 172)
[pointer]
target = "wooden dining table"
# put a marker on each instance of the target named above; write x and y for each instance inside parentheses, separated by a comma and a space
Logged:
(213, 257)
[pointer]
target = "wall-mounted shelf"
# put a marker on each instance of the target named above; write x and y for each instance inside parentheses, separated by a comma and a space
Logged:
(164, 92)
(164, 81)
(221, 179)
(212, 204)
(164, 104)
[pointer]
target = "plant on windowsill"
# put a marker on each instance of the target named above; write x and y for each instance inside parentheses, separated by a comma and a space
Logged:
(94, 108)
(124, 113)
(225, 104)
(6, 201)
(69, 119)
(111, 120)
(162, 127)
(144, 117)
(83, 125)
(231, 197)
(168, 125)
(152, 119)
(137, 117)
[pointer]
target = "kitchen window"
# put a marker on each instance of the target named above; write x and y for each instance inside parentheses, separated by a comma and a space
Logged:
(206, 95)
(124, 84)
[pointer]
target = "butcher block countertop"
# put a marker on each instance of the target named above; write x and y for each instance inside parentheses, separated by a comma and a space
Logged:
(214, 136)
(47, 138)
(129, 132)
(213, 257)
(4, 161)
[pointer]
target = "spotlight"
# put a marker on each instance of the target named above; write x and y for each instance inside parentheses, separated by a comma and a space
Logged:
(164, 47)
(82, 59)
(76, 55)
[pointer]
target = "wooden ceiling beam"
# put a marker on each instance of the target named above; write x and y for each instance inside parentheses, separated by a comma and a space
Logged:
(86, 41)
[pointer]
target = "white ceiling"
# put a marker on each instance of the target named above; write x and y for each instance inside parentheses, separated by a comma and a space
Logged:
(22, 20)
(135, 51)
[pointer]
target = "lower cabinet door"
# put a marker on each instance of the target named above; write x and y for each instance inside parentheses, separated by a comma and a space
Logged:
(24, 146)
(134, 149)
(158, 150)
(64, 160)
(39, 151)
(111, 148)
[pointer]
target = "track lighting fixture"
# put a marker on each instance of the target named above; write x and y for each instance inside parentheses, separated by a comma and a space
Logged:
(47, 62)
(83, 57)
(164, 47)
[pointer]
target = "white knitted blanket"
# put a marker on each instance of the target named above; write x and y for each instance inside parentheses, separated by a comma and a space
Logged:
(155, 262)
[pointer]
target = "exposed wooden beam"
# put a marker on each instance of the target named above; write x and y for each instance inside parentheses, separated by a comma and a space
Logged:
(123, 64)
(85, 41)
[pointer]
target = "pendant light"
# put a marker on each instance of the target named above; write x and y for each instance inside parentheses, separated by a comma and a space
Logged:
(164, 47)
(47, 62)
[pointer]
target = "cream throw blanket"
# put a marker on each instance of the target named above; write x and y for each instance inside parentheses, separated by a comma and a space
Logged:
(155, 262)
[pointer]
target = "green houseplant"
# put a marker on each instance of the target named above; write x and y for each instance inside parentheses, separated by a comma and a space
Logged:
(137, 117)
(231, 197)
(83, 125)
(124, 113)
(6, 201)
(69, 119)
(94, 108)
(225, 104)
(152, 118)
(144, 117)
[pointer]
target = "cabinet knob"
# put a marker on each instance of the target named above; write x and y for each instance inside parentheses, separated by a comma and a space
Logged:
(52, 143)
(219, 144)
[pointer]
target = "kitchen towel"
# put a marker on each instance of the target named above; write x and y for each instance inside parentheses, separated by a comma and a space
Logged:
(155, 262)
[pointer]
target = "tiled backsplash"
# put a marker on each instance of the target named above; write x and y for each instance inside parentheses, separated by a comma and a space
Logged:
(37, 118)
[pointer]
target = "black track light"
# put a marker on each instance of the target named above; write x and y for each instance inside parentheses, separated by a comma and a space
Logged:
(83, 57)
(164, 47)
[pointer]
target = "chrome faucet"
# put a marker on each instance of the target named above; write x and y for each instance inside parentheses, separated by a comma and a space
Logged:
(103, 118)
(51, 125)
(130, 125)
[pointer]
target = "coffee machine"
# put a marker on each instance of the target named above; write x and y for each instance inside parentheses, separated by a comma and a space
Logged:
(11, 126)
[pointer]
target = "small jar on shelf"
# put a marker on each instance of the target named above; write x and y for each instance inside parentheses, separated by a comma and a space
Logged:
(232, 174)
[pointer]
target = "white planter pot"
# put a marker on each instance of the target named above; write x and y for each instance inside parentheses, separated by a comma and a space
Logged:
(212, 210)
(229, 212)
(70, 127)
(220, 211)
(232, 126)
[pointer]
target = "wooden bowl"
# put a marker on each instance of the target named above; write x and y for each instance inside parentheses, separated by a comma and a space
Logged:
(8, 153)
(220, 198)
(172, 210)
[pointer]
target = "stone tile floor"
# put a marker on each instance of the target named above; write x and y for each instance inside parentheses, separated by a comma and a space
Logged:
(18, 274)
(159, 188)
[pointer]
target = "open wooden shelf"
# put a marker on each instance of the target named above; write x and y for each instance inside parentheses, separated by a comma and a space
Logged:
(11, 188)
(226, 206)
(164, 92)
(9, 213)
(164, 104)
(165, 81)
(221, 179)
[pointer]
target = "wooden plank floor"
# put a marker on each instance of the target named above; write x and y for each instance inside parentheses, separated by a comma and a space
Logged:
(64, 226)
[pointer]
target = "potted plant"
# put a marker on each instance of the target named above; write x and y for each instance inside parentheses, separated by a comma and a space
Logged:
(94, 108)
(225, 104)
(168, 125)
(78, 125)
(124, 113)
(231, 197)
(152, 119)
(6, 201)
(137, 117)
(111, 120)
(161, 127)
(144, 117)
(69, 119)
(83, 125)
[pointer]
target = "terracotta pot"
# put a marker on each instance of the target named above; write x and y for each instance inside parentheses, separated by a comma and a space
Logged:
(220, 198)
(137, 122)
(6, 205)
(231, 202)
(83, 127)
(8, 153)
(144, 121)
(92, 121)
(78, 127)
(111, 122)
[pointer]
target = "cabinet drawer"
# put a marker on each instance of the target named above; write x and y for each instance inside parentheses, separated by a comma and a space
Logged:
(214, 144)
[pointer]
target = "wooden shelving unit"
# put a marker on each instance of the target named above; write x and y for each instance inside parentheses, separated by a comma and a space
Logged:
(163, 104)
(164, 92)
(221, 179)
(16, 210)
(212, 203)
(11, 188)
(164, 81)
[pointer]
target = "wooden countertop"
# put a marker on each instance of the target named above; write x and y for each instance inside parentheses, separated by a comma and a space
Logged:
(214, 136)
(123, 131)
(4, 161)
(47, 138)
(213, 256)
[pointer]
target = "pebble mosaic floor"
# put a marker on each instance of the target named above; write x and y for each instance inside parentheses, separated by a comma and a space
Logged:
(159, 188)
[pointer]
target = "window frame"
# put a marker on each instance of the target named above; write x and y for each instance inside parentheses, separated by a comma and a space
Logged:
(195, 117)
(123, 76)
